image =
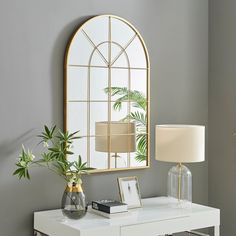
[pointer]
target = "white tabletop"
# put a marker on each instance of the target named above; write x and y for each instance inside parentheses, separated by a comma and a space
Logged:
(153, 210)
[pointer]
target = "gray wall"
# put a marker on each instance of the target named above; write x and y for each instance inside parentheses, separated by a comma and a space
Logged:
(222, 112)
(33, 39)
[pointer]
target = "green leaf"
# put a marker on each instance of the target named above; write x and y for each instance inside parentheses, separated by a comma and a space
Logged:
(89, 168)
(53, 129)
(69, 152)
(21, 174)
(54, 149)
(140, 157)
(27, 174)
(136, 97)
(17, 171)
(83, 165)
(138, 117)
(47, 130)
(78, 137)
(73, 134)
(79, 161)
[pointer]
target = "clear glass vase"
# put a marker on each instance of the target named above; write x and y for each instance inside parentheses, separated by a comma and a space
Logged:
(73, 201)
(180, 185)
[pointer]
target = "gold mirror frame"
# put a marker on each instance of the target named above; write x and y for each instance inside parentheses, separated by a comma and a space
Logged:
(108, 67)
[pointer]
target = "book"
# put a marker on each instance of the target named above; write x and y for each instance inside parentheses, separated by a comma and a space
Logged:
(108, 215)
(109, 206)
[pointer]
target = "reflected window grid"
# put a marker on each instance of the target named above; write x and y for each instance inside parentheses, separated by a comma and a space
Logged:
(109, 65)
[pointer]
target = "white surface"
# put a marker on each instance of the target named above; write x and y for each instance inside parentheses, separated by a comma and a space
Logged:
(180, 143)
(156, 217)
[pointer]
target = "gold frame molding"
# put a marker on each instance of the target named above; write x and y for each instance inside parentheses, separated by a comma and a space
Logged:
(80, 28)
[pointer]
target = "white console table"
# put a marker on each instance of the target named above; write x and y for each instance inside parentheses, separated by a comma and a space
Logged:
(156, 217)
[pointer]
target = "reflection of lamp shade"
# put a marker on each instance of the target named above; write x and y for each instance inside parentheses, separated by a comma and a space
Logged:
(180, 143)
(119, 137)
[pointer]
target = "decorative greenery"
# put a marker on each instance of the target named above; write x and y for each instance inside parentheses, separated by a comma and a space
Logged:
(138, 101)
(58, 146)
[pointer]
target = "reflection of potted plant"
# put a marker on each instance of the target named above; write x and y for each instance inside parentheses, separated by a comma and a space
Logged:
(138, 101)
(58, 145)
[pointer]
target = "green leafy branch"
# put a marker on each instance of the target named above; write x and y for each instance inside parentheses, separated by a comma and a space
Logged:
(136, 97)
(58, 146)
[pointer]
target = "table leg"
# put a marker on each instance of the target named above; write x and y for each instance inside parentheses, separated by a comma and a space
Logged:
(36, 233)
(217, 230)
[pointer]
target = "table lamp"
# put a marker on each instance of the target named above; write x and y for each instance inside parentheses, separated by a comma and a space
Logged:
(180, 144)
(115, 137)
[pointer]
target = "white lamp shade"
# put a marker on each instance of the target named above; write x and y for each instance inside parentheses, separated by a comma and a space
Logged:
(180, 143)
(115, 137)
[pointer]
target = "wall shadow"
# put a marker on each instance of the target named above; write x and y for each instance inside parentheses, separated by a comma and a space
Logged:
(9, 147)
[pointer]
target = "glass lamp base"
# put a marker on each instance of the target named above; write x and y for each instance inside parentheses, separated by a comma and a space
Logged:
(180, 186)
(175, 203)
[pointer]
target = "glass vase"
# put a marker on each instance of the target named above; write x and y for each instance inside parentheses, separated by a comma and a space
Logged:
(73, 201)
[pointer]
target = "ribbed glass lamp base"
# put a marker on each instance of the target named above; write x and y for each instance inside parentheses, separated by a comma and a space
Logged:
(180, 186)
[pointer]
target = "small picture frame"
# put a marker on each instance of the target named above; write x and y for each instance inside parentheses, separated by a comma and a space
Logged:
(130, 191)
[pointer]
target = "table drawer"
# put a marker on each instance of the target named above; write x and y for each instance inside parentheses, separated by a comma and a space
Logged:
(157, 228)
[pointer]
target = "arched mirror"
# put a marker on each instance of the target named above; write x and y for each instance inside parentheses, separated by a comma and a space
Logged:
(107, 94)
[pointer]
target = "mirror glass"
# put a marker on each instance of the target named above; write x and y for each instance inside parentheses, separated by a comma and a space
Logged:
(107, 94)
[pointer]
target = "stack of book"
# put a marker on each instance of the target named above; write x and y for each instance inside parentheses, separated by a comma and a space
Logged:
(109, 208)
